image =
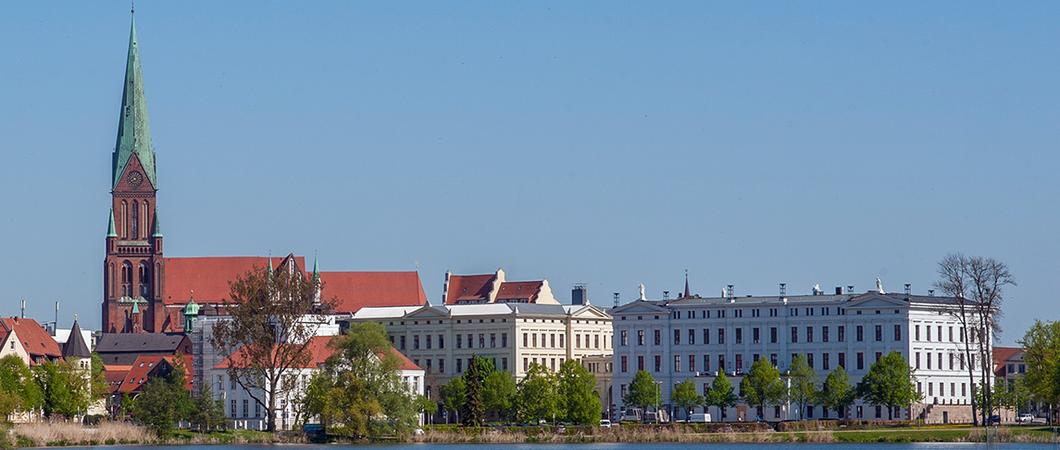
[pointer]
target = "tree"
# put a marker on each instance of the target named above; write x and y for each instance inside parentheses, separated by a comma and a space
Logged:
(837, 393)
(454, 394)
(538, 398)
(98, 387)
(686, 397)
(889, 383)
(643, 392)
(499, 393)
(64, 389)
(578, 400)
(803, 390)
(475, 404)
(977, 284)
(721, 394)
(19, 390)
(426, 406)
(762, 385)
(358, 392)
(271, 320)
(1041, 353)
(207, 413)
(163, 402)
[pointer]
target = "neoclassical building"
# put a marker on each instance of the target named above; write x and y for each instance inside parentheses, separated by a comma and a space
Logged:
(692, 338)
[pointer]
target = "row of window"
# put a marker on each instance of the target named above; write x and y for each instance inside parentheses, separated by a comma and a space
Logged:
(757, 312)
(129, 227)
(955, 360)
(756, 338)
(952, 337)
(530, 340)
(738, 367)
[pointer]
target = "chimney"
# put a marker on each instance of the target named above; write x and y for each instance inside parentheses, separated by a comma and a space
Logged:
(23, 308)
(839, 290)
(908, 289)
(56, 314)
(783, 289)
(445, 286)
(579, 295)
(731, 293)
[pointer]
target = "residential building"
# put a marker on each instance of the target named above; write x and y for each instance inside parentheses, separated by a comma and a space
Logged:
(123, 348)
(694, 337)
(28, 340)
(444, 339)
(494, 288)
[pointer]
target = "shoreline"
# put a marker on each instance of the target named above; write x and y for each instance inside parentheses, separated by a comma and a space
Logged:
(57, 435)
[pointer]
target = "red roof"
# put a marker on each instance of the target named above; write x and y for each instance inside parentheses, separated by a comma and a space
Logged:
(1002, 354)
(208, 277)
(356, 290)
(519, 290)
(404, 363)
(469, 288)
(115, 375)
(142, 370)
(34, 338)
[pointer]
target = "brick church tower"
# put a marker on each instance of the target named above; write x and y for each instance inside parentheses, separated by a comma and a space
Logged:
(133, 269)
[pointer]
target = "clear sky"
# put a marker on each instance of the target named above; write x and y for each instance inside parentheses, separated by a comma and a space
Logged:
(606, 143)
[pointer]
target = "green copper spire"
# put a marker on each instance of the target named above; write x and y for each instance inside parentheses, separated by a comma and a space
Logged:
(136, 307)
(158, 228)
(134, 134)
(111, 229)
(270, 265)
(316, 270)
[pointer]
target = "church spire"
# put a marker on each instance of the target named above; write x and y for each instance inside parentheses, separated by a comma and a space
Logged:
(157, 232)
(111, 229)
(134, 134)
(688, 292)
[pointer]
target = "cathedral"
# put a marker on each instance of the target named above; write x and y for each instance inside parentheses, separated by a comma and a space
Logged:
(145, 291)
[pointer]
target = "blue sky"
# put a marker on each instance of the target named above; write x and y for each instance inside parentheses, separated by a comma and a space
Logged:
(606, 143)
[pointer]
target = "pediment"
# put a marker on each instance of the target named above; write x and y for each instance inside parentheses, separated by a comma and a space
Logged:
(427, 312)
(640, 306)
(591, 312)
(874, 300)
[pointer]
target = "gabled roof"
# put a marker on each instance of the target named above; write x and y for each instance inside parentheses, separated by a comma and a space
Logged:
(519, 291)
(645, 306)
(209, 277)
(356, 290)
(139, 342)
(469, 288)
(150, 366)
(75, 345)
(1001, 355)
(34, 338)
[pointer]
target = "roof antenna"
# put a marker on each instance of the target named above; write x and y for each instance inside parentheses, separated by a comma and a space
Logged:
(132, 6)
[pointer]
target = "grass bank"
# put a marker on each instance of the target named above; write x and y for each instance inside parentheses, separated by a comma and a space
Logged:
(61, 434)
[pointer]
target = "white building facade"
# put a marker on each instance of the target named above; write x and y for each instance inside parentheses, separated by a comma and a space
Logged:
(693, 338)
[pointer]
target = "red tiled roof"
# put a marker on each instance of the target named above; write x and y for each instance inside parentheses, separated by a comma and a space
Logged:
(114, 375)
(520, 290)
(209, 276)
(469, 288)
(1002, 354)
(404, 362)
(146, 367)
(34, 338)
(356, 290)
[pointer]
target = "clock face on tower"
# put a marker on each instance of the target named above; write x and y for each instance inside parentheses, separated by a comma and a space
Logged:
(135, 178)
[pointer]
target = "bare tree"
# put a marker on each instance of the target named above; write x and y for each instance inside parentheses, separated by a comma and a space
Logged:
(273, 317)
(976, 283)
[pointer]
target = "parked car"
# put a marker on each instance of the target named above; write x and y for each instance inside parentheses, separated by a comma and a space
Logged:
(994, 420)
(1025, 418)
(699, 418)
(604, 423)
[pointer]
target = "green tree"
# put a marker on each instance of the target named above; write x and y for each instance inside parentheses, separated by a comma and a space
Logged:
(538, 397)
(1041, 353)
(686, 397)
(578, 399)
(889, 383)
(837, 393)
(475, 403)
(18, 387)
(358, 393)
(762, 385)
(721, 394)
(803, 390)
(454, 394)
(426, 406)
(207, 414)
(98, 386)
(64, 389)
(266, 336)
(643, 392)
(163, 402)
(499, 393)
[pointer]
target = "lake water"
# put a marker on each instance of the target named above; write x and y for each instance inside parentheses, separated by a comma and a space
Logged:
(925, 446)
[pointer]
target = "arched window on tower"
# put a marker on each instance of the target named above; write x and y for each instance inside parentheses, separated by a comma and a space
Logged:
(126, 279)
(124, 220)
(146, 226)
(113, 280)
(135, 220)
(145, 280)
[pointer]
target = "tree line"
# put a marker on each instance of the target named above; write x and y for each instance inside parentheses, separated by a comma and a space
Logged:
(889, 383)
(483, 393)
